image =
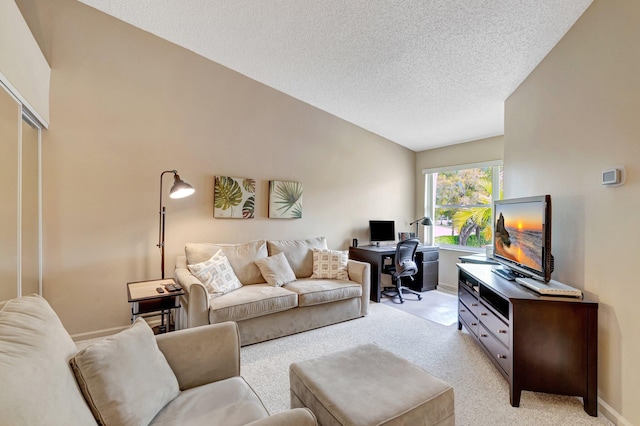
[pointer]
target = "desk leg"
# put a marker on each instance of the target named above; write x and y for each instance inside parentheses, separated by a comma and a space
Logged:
(163, 325)
(134, 308)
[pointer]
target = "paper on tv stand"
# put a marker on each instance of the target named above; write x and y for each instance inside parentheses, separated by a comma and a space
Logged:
(551, 288)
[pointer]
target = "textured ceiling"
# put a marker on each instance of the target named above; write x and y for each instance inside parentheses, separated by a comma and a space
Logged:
(423, 73)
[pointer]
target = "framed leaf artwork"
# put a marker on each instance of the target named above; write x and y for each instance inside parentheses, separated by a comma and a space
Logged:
(234, 197)
(285, 200)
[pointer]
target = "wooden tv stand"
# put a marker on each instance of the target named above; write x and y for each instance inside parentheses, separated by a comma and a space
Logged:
(538, 343)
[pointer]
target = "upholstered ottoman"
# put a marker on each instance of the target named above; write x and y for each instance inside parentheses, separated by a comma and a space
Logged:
(368, 385)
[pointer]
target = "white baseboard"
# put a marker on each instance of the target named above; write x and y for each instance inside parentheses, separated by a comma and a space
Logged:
(448, 288)
(107, 331)
(611, 414)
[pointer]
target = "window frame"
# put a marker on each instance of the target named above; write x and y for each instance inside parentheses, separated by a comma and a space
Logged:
(430, 192)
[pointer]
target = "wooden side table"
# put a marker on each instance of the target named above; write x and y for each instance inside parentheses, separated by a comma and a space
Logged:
(146, 301)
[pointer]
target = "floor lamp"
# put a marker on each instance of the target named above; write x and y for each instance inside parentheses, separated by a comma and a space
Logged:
(422, 221)
(180, 189)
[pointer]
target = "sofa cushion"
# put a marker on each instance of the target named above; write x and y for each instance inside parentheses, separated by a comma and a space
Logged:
(317, 291)
(276, 270)
(298, 253)
(125, 378)
(37, 385)
(251, 301)
(216, 274)
(241, 257)
(331, 264)
(226, 402)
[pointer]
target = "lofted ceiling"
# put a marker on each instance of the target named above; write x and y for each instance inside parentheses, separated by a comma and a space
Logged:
(421, 73)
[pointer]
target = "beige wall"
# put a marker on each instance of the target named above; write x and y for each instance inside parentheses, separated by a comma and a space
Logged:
(126, 105)
(576, 115)
(23, 68)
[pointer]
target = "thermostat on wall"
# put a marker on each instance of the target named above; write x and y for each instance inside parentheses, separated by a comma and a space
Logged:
(611, 177)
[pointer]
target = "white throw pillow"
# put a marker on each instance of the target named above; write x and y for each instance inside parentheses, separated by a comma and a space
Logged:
(125, 378)
(276, 270)
(216, 274)
(330, 264)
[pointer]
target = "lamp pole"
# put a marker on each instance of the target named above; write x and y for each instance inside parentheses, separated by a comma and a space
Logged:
(180, 189)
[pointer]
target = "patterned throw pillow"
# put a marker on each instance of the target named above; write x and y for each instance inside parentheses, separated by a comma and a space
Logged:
(330, 264)
(216, 274)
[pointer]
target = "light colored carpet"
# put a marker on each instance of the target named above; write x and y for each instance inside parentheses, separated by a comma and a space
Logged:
(437, 306)
(481, 393)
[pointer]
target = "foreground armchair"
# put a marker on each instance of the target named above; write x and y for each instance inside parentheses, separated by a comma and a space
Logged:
(188, 377)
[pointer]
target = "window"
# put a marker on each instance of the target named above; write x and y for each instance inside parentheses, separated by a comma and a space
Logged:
(459, 201)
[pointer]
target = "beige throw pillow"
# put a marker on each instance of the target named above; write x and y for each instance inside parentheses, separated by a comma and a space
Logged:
(125, 378)
(330, 264)
(276, 270)
(216, 274)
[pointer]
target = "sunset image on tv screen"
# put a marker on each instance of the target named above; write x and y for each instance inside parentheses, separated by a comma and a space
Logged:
(518, 233)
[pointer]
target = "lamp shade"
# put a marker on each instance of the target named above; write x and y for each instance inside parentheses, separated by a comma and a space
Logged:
(422, 221)
(180, 188)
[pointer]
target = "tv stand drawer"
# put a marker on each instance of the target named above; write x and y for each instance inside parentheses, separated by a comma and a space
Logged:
(496, 349)
(469, 300)
(468, 319)
(495, 325)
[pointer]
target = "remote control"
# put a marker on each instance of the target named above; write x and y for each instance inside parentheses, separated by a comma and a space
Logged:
(159, 289)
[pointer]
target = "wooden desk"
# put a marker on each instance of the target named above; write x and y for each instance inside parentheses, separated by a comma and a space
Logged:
(426, 258)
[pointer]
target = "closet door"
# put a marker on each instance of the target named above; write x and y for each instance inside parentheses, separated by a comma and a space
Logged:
(30, 209)
(10, 119)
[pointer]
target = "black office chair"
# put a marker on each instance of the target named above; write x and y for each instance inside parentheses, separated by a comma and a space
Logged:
(404, 266)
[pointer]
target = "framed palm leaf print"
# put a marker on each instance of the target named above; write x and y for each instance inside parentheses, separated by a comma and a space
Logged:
(234, 197)
(285, 200)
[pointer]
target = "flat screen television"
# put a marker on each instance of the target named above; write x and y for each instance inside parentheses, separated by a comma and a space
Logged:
(522, 237)
(382, 230)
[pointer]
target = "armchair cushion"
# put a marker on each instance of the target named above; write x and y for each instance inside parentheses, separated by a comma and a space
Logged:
(276, 270)
(37, 385)
(125, 378)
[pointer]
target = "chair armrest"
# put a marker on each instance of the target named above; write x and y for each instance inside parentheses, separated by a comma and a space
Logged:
(293, 417)
(202, 355)
(360, 272)
(196, 304)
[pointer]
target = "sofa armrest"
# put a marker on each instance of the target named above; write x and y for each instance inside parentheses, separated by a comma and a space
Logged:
(202, 355)
(360, 272)
(196, 303)
(293, 417)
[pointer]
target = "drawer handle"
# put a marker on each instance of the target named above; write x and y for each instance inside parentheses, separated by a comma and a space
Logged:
(502, 331)
(463, 310)
(484, 314)
(484, 335)
(474, 304)
(501, 356)
(474, 323)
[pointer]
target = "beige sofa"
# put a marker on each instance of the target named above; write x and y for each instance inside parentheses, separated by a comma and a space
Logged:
(188, 377)
(264, 311)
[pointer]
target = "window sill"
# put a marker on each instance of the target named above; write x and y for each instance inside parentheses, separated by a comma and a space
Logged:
(464, 249)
